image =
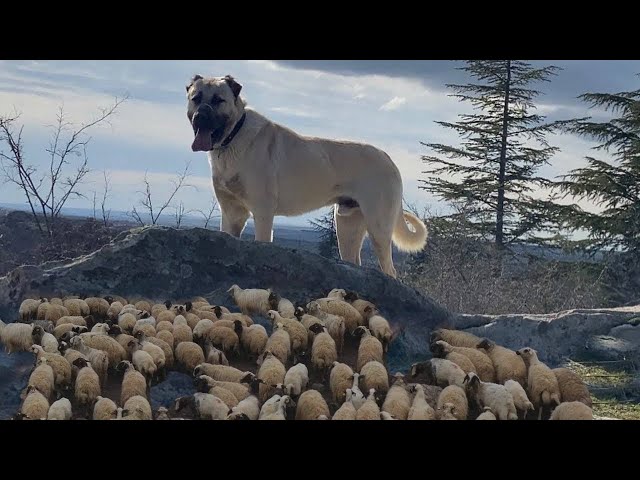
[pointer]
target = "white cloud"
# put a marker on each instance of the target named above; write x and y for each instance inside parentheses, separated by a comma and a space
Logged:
(294, 112)
(394, 104)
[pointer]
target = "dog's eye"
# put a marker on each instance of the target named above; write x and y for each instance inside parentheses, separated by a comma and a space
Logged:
(216, 100)
(197, 98)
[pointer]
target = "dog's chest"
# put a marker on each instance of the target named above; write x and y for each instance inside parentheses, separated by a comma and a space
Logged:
(227, 178)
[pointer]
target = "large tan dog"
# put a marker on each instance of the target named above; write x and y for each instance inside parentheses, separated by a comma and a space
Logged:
(265, 169)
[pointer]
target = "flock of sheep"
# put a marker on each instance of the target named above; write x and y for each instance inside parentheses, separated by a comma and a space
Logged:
(325, 360)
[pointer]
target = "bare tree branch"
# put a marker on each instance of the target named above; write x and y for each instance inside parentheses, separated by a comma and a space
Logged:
(106, 193)
(208, 215)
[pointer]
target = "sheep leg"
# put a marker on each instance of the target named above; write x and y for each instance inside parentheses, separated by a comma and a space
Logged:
(540, 413)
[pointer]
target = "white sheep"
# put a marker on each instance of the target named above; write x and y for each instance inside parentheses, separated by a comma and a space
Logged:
(352, 317)
(311, 405)
(481, 361)
(201, 329)
(486, 394)
(355, 394)
(35, 405)
(280, 407)
(29, 309)
(379, 326)
(189, 355)
(323, 350)
(296, 380)
(225, 338)
(115, 352)
(139, 408)
(508, 364)
(346, 412)
(283, 306)
(143, 361)
(520, 399)
(104, 409)
(369, 409)
(206, 406)
(16, 337)
(279, 343)
(398, 401)
(87, 388)
(98, 307)
(455, 338)
(238, 390)
(215, 356)
(271, 372)
(359, 304)
(43, 379)
(253, 339)
(221, 372)
(167, 350)
(298, 334)
(439, 371)
(250, 407)
(157, 354)
(99, 359)
(45, 339)
(542, 384)
(61, 367)
(374, 375)
(370, 348)
(487, 414)
(250, 300)
(457, 403)
(77, 307)
(420, 408)
(133, 382)
(60, 410)
(572, 411)
(340, 378)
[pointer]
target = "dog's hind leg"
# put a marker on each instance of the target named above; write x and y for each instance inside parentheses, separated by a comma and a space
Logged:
(381, 232)
(350, 231)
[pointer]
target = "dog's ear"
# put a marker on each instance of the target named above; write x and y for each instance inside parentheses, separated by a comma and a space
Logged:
(235, 86)
(195, 78)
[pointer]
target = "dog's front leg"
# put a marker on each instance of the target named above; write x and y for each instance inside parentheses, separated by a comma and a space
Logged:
(234, 215)
(263, 224)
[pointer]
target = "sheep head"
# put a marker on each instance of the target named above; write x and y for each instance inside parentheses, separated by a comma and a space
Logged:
(274, 300)
(527, 354)
(486, 344)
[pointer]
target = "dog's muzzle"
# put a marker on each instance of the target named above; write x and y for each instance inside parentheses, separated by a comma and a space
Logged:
(208, 129)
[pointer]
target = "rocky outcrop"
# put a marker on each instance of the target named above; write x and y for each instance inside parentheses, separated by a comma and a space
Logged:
(602, 333)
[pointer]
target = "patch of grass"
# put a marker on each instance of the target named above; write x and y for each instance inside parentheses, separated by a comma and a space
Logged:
(610, 384)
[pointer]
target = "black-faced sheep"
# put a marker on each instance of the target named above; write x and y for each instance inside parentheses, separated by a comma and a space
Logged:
(486, 394)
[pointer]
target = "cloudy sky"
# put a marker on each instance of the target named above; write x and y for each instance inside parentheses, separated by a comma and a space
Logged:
(391, 104)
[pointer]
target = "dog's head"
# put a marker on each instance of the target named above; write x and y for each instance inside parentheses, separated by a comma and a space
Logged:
(213, 109)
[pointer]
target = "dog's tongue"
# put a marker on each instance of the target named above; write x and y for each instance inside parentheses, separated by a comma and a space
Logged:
(202, 142)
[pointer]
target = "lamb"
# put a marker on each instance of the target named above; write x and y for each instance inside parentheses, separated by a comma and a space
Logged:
(311, 405)
(398, 400)
(323, 350)
(486, 394)
(374, 375)
(507, 364)
(542, 384)
(181, 331)
(455, 338)
(572, 411)
(205, 405)
(253, 339)
(456, 398)
(251, 300)
(283, 306)
(352, 317)
(420, 409)
(481, 361)
(222, 373)
(346, 412)
(339, 380)
(115, 352)
(369, 409)
(370, 348)
(99, 359)
(133, 382)
(250, 407)
(61, 367)
(572, 388)
(143, 361)
(189, 355)
(296, 380)
(16, 337)
(42, 378)
(46, 340)
(55, 312)
(214, 356)
(104, 409)
(35, 405)
(98, 307)
(520, 399)
(139, 408)
(224, 338)
(77, 307)
(60, 410)
(271, 372)
(487, 414)
(29, 309)
(279, 343)
(298, 334)
(379, 326)
(87, 388)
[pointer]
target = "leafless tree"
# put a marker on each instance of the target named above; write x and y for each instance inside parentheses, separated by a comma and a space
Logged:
(47, 190)
(180, 213)
(147, 203)
(106, 193)
(208, 215)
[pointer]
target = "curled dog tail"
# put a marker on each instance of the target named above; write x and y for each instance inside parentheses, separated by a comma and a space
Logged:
(405, 239)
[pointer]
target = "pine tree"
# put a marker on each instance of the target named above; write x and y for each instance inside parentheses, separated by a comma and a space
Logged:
(328, 245)
(615, 185)
(493, 171)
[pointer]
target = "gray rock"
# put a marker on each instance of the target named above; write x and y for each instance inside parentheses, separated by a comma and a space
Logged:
(555, 336)
(175, 385)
